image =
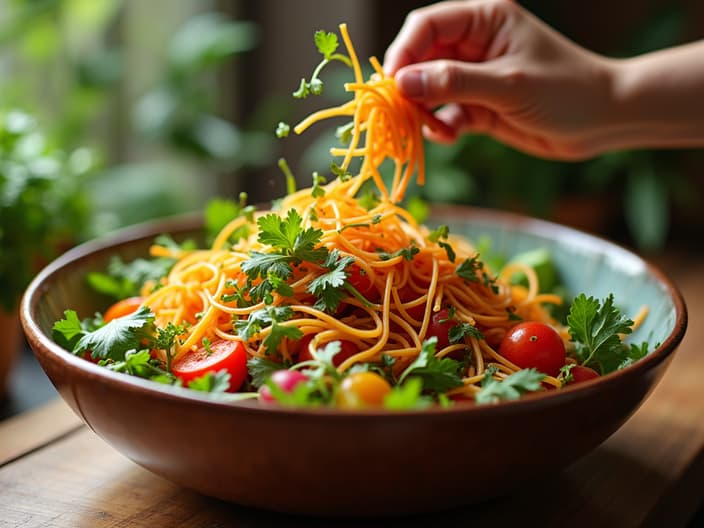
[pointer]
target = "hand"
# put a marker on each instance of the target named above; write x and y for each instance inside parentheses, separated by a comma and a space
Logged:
(499, 70)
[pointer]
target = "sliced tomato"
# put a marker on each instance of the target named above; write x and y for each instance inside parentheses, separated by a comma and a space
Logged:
(222, 354)
(123, 308)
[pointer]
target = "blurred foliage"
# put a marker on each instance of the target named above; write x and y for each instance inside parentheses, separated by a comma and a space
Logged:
(154, 152)
(43, 203)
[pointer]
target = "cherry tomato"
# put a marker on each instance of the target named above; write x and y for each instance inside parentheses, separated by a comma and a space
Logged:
(347, 350)
(534, 345)
(440, 327)
(581, 373)
(286, 380)
(123, 308)
(407, 294)
(362, 389)
(222, 354)
(361, 282)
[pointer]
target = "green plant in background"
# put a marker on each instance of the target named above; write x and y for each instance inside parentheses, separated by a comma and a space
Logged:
(43, 203)
(161, 140)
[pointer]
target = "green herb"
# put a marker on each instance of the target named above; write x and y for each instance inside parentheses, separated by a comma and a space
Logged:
(340, 172)
(407, 253)
(407, 396)
(595, 328)
(211, 382)
(344, 132)
(282, 129)
(565, 375)
(329, 288)
(290, 178)
(141, 364)
(461, 330)
(111, 340)
(437, 375)
(317, 191)
(327, 45)
(261, 369)
(270, 316)
(472, 269)
(511, 388)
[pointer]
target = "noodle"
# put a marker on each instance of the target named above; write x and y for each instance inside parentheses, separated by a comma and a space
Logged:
(199, 289)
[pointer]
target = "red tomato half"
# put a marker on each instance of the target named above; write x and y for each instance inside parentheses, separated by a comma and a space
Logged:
(580, 374)
(123, 308)
(223, 354)
(534, 345)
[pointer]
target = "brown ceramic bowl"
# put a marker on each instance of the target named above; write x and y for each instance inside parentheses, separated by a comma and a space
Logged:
(328, 462)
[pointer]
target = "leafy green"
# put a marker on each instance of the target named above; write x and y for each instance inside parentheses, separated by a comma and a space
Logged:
(461, 330)
(261, 369)
(317, 190)
(407, 253)
(68, 331)
(437, 375)
(327, 45)
(473, 270)
(269, 316)
(511, 388)
(141, 364)
(595, 327)
(118, 336)
(440, 234)
(329, 288)
(407, 396)
(211, 382)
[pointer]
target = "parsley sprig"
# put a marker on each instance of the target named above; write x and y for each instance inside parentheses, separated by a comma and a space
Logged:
(596, 329)
(327, 45)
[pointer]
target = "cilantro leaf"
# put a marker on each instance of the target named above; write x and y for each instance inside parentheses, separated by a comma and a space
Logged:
(68, 331)
(317, 191)
(458, 332)
(211, 382)
(269, 316)
(261, 369)
(303, 90)
(438, 375)
(263, 264)
(511, 388)
(326, 43)
(595, 329)
(118, 336)
(329, 287)
(469, 269)
(407, 253)
(407, 396)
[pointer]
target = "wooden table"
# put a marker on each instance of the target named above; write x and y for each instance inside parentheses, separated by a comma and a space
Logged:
(55, 472)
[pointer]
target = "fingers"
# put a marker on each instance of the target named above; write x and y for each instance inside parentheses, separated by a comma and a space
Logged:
(461, 30)
(443, 81)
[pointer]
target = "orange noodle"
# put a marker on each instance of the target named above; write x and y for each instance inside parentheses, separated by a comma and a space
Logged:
(380, 238)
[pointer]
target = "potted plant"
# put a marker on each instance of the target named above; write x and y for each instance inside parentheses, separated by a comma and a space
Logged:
(43, 210)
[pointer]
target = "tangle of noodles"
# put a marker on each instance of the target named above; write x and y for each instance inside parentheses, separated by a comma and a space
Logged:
(385, 127)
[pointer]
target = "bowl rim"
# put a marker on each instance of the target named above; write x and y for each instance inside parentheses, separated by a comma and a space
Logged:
(43, 345)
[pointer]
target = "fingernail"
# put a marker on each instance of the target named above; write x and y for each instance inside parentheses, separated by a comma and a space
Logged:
(412, 83)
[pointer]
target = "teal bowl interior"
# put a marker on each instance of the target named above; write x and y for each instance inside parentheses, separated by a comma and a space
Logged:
(586, 264)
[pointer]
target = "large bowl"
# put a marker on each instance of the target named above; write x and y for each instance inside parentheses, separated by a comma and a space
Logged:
(329, 462)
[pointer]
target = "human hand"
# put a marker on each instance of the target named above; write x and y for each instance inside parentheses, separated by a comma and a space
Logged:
(499, 70)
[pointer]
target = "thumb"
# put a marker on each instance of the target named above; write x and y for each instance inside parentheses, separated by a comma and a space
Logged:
(448, 81)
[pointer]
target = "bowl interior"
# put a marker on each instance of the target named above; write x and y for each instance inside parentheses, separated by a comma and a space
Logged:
(586, 264)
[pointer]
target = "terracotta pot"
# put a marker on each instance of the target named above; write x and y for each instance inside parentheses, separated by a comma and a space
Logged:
(10, 338)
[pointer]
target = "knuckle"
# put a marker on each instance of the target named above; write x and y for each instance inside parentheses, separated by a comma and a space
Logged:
(448, 78)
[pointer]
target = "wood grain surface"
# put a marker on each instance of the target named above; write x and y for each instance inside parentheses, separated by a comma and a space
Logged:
(56, 473)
